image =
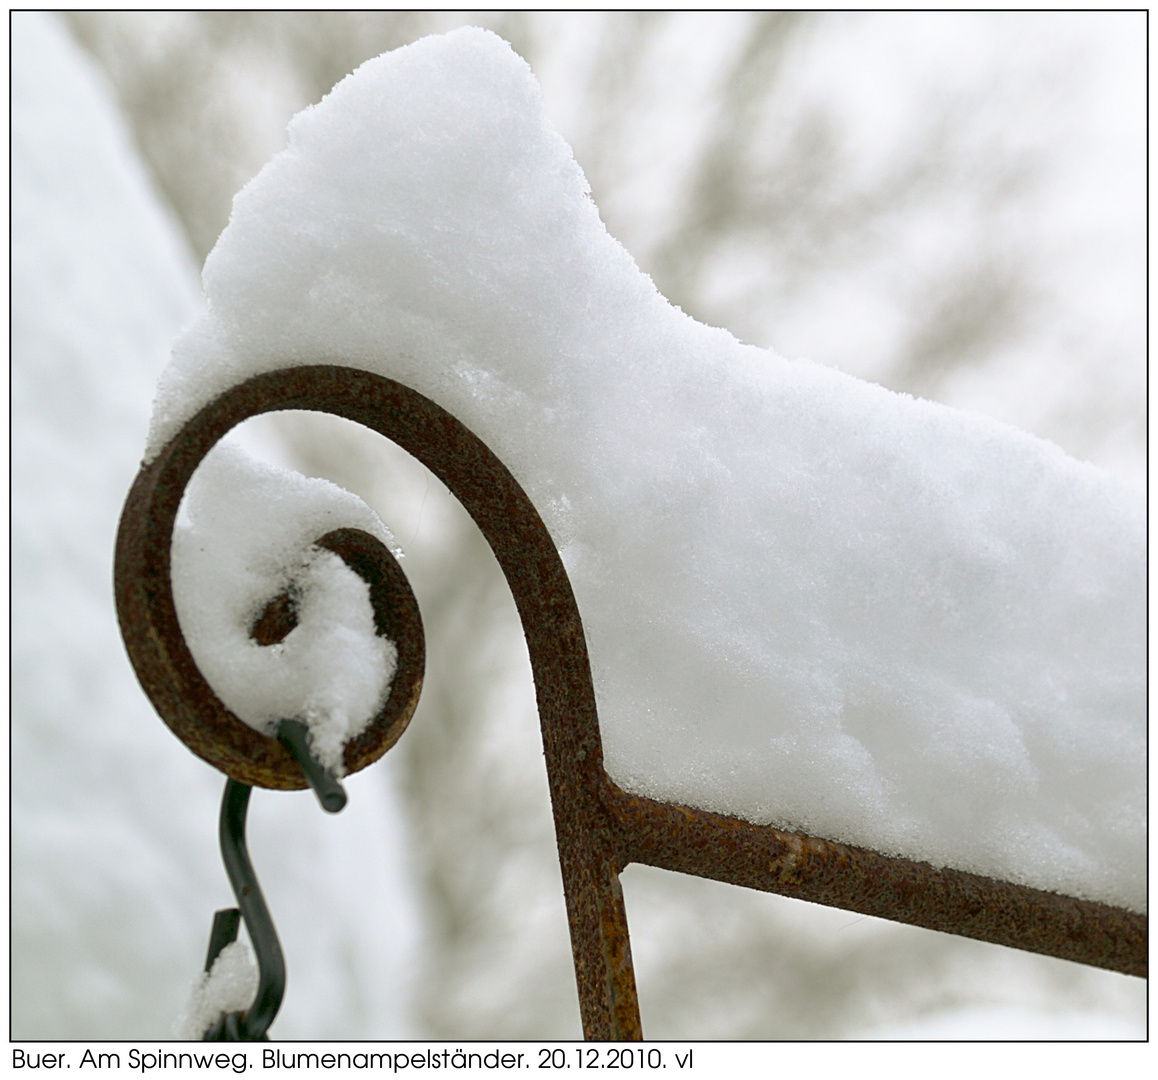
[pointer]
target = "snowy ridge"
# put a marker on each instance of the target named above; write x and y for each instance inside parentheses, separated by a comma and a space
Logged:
(809, 601)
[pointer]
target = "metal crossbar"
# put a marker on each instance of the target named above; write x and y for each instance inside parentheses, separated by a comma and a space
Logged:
(599, 828)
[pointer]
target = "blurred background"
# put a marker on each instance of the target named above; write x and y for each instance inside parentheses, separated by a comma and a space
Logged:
(952, 205)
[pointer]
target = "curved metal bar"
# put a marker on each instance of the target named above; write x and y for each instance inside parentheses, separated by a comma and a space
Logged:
(166, 669)
(599, 828)
(587, 837)
(255, 1021)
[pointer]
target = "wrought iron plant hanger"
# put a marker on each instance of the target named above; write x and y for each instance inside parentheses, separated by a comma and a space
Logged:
(599, 828)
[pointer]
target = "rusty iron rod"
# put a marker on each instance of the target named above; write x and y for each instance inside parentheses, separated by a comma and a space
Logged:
(599, 828)
(855, 879)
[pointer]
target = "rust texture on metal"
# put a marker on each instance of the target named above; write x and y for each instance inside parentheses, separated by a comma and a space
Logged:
(838, 875)
(161, 658)
(566, 700)
(599, 828)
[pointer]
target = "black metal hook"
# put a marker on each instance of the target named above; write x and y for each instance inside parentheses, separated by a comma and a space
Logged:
(224, 932)
(253, 1024)
(292, 734)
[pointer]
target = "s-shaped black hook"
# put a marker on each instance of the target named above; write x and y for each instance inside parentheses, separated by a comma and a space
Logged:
(252, 1024)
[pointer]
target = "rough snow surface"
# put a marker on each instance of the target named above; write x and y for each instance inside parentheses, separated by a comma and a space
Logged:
(245, 536)
(230, 986)
(808, 601)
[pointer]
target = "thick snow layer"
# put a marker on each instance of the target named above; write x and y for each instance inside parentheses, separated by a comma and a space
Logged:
(114, 861)
(809, 601)
(229, 987)
(245, 536)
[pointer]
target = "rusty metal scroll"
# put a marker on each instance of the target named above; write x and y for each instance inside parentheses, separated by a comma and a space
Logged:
(599, 828)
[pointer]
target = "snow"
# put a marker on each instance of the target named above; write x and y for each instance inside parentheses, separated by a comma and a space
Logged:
(114, 863)
(111, 815)
(230, 986)
(808, 601)
(245, 536)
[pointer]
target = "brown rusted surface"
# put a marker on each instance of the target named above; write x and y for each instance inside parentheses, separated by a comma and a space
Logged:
(167, 671)
(855, 879)
(396, 617)
(599, 828)
(277, 619)
(542, 593)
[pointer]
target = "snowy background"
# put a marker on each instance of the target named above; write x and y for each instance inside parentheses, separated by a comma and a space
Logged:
(952, 206)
